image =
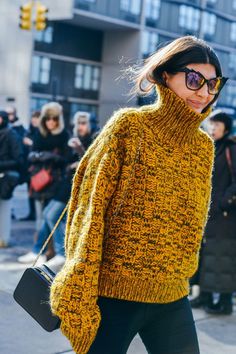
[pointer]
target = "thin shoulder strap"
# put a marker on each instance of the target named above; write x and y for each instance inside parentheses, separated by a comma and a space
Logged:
(51, 234)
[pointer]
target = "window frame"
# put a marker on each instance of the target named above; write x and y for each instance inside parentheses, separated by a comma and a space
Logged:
(93, 78)
(185, 18)
(44, 68)
(128, 6)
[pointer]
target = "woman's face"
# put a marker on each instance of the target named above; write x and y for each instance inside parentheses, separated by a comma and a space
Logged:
(52, 123)
(199, 99)
(217, 130)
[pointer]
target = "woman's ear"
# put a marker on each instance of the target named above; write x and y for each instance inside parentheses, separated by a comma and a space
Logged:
(164, 76)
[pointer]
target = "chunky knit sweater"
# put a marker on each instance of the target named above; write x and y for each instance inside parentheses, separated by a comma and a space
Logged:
(138, 208)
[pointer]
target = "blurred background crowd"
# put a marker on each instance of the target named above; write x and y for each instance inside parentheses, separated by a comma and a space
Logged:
(44, 156)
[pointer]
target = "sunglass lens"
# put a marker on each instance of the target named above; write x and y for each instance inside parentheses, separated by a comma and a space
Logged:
(194, 80)
(214, 85)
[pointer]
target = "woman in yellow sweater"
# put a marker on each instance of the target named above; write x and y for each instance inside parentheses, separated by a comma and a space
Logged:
(137, 212)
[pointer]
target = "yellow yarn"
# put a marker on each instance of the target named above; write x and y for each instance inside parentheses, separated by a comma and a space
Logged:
(135, 221)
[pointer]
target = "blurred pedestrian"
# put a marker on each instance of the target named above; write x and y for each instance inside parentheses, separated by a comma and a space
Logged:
(32, 132)
(218, 262)
(48, 157)
(82, 132)
(51, 213)
(28, 142)
(15, 122)
(137, 212)
(11, 159)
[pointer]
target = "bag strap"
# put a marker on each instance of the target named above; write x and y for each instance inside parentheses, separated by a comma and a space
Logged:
(137, 155)
(229, 162)
(51, 234)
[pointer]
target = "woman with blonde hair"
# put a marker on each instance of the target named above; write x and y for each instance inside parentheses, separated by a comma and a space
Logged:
(137, 212)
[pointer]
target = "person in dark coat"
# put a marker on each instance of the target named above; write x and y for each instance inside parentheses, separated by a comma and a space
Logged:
(218, 261)
(49, 152)
(15, 123)
(82, 138)
(28, 142)
(11, 159)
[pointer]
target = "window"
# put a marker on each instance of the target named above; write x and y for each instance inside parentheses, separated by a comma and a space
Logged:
(40, 70)
(153, 9)
(211, 2)
(231, 95)
(234, 4)
(208, 23)
(87, 77)
(131, 6)
(233, 32)
(36, 103)
(45, 36)
(189, 17)
(232, 61)
(149, 42)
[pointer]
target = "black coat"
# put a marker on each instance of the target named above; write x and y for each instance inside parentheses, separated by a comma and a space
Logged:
(64, 189)
(218, 262)
(11, 162)
(11, 152)
(50, 152)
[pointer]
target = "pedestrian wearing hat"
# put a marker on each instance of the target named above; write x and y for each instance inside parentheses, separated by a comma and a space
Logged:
(218, 260)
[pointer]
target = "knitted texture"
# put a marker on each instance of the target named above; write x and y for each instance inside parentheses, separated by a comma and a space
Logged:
(138, 208)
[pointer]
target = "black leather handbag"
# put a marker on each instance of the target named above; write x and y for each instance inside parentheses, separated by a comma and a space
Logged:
(32, 291)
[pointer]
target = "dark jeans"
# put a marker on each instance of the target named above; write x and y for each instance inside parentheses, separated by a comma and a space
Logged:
(163, 328)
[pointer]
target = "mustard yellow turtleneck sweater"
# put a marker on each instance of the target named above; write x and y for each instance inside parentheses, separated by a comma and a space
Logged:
(137, 212)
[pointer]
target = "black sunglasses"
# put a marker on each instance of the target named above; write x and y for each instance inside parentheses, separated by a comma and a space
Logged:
(194, 80)
(54, 118)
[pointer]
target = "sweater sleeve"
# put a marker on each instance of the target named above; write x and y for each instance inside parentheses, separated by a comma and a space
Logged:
(74, 291)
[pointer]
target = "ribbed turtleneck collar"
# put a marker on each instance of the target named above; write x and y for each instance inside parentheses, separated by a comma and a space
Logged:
(172, 119)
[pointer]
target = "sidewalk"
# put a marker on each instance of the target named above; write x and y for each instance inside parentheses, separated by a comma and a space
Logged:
(21, 335)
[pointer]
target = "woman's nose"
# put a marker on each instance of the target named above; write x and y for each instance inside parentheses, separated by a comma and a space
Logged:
(203, 91)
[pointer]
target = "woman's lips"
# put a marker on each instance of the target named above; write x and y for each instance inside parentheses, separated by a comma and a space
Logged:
(195, 104)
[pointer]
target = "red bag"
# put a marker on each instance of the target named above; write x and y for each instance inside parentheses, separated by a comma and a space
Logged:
(41, 180)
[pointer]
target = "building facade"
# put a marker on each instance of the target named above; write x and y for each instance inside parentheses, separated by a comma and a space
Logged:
(78, 59)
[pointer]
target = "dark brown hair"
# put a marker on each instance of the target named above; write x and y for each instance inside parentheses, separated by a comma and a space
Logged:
(171, 57)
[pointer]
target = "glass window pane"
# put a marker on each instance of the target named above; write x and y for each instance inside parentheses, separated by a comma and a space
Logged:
(233, 31)
(48, 35)
(124, 5)
(189, 17)
(95, 85)
(135, 7)
(44, 77)
(87, 77)
(79, 69)
(45, 63)
(78, 82)
(35, 69)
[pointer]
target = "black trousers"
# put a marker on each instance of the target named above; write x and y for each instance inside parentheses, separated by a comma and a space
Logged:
(163, 328)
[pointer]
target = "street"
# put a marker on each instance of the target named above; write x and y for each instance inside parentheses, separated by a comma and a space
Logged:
(21, 335)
